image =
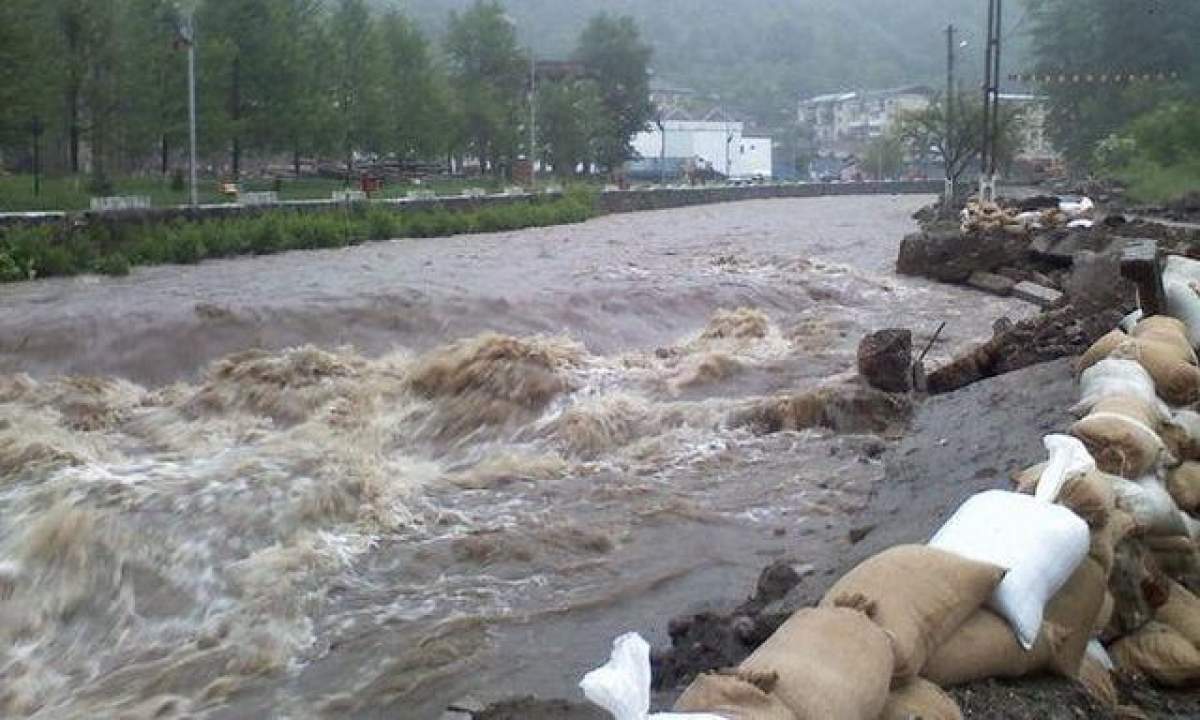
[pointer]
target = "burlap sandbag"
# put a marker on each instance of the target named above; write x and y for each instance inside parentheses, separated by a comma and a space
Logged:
(1176, 556)
(922, 700)
(831, 664)
(1168, 331)
(1026, 481)
(1160, 654)
(1181, 613)
(1098, 681)
(919, 594)
(1121, 435)
(736, 698)
(1181, 433)
(1183, 483)
(985, 646)
(1090, 496)
(1100, 349)
(1175, 374)
(1075, 610)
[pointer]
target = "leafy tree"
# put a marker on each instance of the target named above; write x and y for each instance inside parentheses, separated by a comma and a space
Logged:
(489, 72)
(612, 50)
(1110, 37)
(153, 81)
(884, 156)
(925, 132)
(299, 98)
(415, 104)
(570, 113)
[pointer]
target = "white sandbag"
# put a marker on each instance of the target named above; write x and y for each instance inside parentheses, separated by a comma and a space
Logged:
(1076, 208)
(1068, 456)
(1150, 505)
(1040, 544)
(1130, 321)
(1082, 224)
(1180, 278)
(1117, 376)
(1096, 651)
(622, 685)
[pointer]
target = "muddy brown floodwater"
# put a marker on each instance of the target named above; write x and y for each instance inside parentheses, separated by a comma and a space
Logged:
(368, 482)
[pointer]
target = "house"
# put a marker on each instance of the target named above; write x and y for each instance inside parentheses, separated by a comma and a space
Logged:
(846, 122)
(717, 143)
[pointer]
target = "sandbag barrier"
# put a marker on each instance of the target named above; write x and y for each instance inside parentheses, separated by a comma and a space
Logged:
(1087, 568)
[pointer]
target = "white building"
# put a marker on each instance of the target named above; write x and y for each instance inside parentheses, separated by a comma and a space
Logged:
(718, 144)
(847, 121)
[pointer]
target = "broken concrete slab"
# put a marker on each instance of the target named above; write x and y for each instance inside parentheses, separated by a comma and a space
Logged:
(991, 283)
(1039, 295)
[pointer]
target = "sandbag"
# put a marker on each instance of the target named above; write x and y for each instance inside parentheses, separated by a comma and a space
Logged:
(1182, 434)
(919, 699)
(1175, 556)
(1167, 330)
(1150, 505)
(1068, 457)
(1120, 434)
(918, 594)
(1183, 484)
(1118, 376)
(1100, 349)
(1040, 544)
(1176, 377)
(1075, 611)
(1160, 654)
(622, 685)
(1137, 586)
(1105, 616)
(831, 663)
(1181, 612)
(1026, 481)
(1099, 682)
(985, 647)
(729, 696)
(1179, 278)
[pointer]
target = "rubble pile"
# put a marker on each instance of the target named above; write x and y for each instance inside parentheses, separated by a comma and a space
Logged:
(1086, 569)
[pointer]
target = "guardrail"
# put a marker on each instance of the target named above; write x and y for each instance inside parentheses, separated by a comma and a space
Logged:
(609, 201)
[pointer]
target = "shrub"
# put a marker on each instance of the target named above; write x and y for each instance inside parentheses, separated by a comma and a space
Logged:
(113, 264)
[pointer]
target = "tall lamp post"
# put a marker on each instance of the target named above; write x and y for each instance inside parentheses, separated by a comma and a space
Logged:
(187, 36)
(532, 119)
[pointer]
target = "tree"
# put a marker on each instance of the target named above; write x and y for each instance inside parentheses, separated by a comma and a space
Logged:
(299, 98)
(489, 73)
(569, 110)
(1109, 37)
(415, 107)
(926, 134)
(612, 51)
(153, 82)
(884, 156)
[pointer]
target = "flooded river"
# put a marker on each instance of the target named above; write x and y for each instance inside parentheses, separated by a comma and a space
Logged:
(367, 482)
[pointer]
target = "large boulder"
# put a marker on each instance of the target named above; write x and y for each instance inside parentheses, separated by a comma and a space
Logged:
(951, 255)
(885, 360)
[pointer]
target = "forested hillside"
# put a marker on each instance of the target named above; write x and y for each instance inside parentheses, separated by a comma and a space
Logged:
(766, 53)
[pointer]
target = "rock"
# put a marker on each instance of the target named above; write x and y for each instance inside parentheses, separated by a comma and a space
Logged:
(951, 256)
(1043, 297)
(1038, 202)
(466, 704)
(885, 360)
(991, 283)
(776, 581)
(858, 534)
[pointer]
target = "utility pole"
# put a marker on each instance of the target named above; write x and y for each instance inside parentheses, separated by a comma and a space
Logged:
(948, 145)
(662, 152)
(991, 103)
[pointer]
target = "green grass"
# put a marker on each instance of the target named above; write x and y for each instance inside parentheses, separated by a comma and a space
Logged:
(113, 248)
(1151, 183)
(73, 193)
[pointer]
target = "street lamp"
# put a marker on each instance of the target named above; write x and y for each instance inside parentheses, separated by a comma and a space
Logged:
(187, 36)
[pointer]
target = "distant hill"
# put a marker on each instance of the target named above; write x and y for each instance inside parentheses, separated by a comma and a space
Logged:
(763, 54)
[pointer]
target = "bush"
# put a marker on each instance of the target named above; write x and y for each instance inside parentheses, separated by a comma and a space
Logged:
(113, 248)
(113, 264)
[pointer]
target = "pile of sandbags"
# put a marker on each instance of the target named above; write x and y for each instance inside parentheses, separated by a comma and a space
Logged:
(1086, 569)
(981, 216)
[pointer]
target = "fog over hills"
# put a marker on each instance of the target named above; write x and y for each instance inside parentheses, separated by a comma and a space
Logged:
(765, 53)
